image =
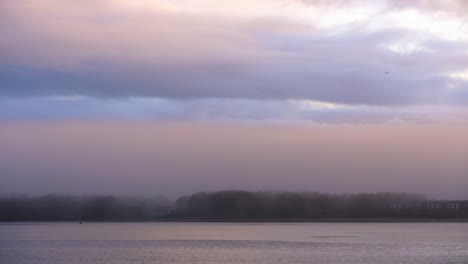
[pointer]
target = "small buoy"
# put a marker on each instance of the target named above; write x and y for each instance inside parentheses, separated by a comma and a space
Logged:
(80, 223)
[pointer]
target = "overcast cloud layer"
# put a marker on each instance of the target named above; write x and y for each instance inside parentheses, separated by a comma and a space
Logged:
(377, 53)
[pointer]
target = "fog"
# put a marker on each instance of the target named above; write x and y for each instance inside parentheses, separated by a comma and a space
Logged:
(178, 158)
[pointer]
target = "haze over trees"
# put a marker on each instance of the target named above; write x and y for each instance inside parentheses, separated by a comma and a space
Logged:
(230, 205)
(72, 208)
(288, 205)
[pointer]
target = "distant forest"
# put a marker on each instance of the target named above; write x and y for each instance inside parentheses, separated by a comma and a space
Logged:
(230, 206)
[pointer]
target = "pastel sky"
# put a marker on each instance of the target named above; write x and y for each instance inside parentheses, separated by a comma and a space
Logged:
(250, 94)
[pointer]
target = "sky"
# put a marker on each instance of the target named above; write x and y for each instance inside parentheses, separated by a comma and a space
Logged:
(149, 97)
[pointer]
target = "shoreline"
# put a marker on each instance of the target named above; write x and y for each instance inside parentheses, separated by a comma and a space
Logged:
(323, 220)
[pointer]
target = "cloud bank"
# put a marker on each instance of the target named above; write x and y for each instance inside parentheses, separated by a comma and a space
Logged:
(384, 53)
(219, 110)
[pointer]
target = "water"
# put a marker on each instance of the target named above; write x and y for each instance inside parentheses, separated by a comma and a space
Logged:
(123, 243)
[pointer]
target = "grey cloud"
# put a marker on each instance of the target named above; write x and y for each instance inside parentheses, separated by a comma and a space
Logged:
(325, 70)
(143, 108)
(181, 56)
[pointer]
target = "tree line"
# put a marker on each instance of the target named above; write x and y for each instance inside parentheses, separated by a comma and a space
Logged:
(233, 205)
(73, 208)
(288, 205)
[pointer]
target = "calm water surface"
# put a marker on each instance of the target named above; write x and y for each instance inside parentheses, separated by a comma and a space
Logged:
(233, 243)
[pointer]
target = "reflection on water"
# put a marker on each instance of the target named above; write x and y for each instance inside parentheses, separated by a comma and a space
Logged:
(234, 243)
